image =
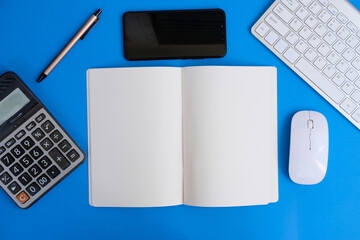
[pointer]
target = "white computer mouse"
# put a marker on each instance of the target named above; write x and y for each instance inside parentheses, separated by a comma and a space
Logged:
(309, 147)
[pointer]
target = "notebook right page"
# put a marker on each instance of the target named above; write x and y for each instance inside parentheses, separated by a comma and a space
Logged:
(230, 136)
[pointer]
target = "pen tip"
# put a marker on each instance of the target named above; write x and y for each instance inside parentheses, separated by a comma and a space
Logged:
(97, 13)
(41, 77)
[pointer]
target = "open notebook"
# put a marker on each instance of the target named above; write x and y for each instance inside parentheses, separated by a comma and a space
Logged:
(200, 136)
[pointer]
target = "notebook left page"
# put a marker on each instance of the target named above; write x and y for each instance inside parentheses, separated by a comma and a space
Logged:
(135, 137)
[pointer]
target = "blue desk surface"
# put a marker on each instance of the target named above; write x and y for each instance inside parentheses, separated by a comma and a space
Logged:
(32, 33)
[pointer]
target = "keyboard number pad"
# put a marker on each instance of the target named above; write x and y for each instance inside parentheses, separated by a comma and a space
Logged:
(35, 157)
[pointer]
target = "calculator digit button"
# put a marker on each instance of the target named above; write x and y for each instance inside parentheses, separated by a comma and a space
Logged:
(30, 125)
(33, 188)
(46, 144)
(56, 136)
(40, 118)
(5, 178)
(53, 172)
(64, 146)
(7, 159)
(38, 134)
(36, 153)
(73, 155)
(45, 162)
(16, 169)
(14, 187)
(26, 161)
(2, 150)
(17, 151)
(34, 170)
(27, 143)
(25, 179)
(22, 197)
(10, 142)
(20, 134)
(60, 160)
(43, 180)
(47, 126)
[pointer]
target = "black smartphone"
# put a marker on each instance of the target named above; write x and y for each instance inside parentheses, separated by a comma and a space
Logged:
(174, 34)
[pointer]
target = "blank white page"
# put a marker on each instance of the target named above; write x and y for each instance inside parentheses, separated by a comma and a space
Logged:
(230, 136)
(135, 137)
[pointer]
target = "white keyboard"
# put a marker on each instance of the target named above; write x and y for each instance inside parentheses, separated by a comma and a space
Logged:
(320, 41)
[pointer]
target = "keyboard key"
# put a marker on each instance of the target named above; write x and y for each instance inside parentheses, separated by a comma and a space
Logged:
(301, 46)
(7, 159)
(306, 2)
(283, 13)
(17, 151)
(339, 46)
(60, 160)
(56, 136)
(10, 142)
(48, 126)
(44, 162)
(324, 16)
(347, 88)
(333, 58)
(305, 33)
(14, 187)
(291, 4)
(262, 29)
(358, 48)
(320, 30)
(324, 2)
(348, 105)
(311, 21)
(342, 18)
(352, 74)
(16, 169)
(320, 63)
(64, 146)
(25, 179)
(46, 144)
(30, 126)
(22, 197)
(352, 41)
(302, 13)
(356, 96)
(329, 71)
(43, 180)
(338, 79)
(40, 118)
(27, 143)
(53, 172)
(20, 134)
(271, 37)
(26, 161)
(36, 153)
(324, 49)
(5, 178)
(292, 38)
(311, 55)
(356, 115)
(356, 63)
(333, 9)
(34, 170)
(295, 24)
(38, 134)
(342, 66)
(352, 27)
(357, 83)
(319, 80)
(315, 8)
(314, 41)
(276, 23)
(333, 24)
(73, 155)
(330, 38)
(343, 33)
(2, 150)
(348, 55)
(33, 188)
(291, 55)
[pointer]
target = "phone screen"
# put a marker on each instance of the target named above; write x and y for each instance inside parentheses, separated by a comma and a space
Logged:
(174, 34)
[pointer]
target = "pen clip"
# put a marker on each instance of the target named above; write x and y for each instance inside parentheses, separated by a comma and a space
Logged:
(87, 31)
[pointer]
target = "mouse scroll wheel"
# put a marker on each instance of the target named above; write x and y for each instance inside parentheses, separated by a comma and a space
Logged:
(310, 124)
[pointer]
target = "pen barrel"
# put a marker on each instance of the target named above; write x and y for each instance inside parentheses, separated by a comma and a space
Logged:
(70, 44)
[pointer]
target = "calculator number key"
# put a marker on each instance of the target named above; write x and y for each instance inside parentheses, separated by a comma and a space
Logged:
(16, 169)
(44, 162)
(14, 187)
(38, 134)
(26, 161)
(56, 136)
(7, 159)
(47, 126)
(46, 144)
(17, 151)
(33, 188)
(43, 180)
(34, 170)
(27, 143)
(36, 153)
(5, 178)
(25, 179)
(60, 160)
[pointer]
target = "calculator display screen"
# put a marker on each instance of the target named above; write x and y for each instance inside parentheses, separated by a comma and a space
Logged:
(11, 104)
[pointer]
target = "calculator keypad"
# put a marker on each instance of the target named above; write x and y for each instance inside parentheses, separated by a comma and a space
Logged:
(35, 157)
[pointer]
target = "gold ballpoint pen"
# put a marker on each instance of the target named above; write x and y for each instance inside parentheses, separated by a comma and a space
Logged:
(79, 35)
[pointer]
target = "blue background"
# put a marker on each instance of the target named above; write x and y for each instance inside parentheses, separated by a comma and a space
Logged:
(32, 33)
